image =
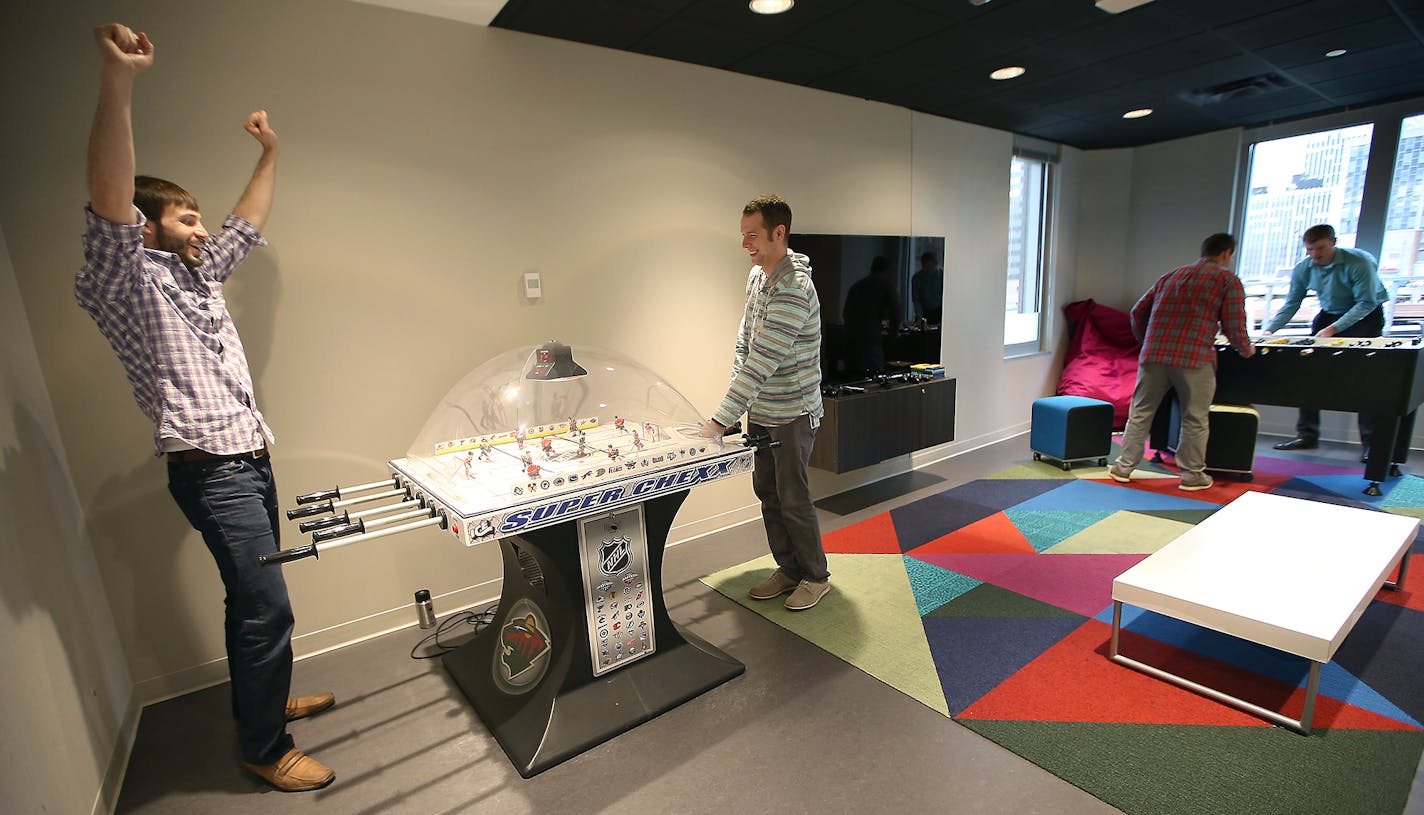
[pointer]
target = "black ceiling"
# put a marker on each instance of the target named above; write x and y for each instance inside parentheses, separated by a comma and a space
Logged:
(1202, 65)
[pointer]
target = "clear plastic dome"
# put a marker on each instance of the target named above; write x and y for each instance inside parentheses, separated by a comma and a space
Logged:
(550, 418)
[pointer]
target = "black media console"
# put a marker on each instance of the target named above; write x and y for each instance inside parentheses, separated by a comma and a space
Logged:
(867, 422)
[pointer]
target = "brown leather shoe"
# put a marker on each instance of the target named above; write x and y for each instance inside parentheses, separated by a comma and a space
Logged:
(294, 772)
(300, 707)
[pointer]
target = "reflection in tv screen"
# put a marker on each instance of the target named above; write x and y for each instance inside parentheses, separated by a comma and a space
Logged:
(882, 297)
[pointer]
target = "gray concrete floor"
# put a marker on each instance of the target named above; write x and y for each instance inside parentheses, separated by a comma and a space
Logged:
(799, 732)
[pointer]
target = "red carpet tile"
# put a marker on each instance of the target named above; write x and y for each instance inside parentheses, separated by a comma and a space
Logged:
(994, 534)
(1411, 594)
(1074, 681)
(872, 536)
(1224, 491)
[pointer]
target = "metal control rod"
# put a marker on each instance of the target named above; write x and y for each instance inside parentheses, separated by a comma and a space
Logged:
(348, 517)
(359, 526)
(763, 442)
(309, 510)
(339, 491)
(315, 549)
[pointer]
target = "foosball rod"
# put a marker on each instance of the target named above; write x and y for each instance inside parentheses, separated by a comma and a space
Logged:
(308, 510)
(341, 492)
(315, 549)
(347, 517)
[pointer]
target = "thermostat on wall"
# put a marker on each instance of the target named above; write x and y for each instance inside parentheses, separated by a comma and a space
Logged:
(532, 289)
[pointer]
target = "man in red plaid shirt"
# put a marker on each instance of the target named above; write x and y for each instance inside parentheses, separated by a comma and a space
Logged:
(1177, 322)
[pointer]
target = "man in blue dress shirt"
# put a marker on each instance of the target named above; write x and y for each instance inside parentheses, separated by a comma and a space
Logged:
(1346, 281)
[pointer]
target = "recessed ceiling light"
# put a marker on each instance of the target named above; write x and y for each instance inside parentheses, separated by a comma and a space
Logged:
(1338, 52)
(1010, 72)
(1137, 114)
(770, 6)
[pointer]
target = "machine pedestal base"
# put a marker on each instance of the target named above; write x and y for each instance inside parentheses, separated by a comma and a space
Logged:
(530, 674)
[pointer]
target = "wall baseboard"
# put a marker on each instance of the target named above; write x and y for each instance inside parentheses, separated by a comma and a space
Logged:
(107, 798)
(167, 686)
(958, 447)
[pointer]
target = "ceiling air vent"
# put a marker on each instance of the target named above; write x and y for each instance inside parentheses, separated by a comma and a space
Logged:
(1236, 89)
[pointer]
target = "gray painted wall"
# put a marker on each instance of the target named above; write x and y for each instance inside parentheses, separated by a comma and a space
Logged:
(64, 692)
(426, 166)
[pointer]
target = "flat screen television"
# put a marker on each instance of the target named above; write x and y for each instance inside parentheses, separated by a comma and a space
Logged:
(838, 264)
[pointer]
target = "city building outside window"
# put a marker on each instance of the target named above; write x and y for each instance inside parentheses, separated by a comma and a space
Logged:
(1030, 208)
(1400, 255)
(1293, 184)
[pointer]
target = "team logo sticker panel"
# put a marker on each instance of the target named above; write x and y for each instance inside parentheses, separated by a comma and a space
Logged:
(522, 656)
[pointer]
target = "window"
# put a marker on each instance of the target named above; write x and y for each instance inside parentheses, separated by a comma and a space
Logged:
(1401, 256)
(1030, 197)
(1365, 177)
(1296, 183)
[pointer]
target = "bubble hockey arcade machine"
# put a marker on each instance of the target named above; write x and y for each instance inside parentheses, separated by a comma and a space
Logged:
(577, 473)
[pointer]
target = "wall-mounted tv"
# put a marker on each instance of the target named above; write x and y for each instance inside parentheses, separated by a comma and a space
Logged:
(907, 330)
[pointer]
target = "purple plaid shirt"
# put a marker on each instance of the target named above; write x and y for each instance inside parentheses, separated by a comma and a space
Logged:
(171, 330)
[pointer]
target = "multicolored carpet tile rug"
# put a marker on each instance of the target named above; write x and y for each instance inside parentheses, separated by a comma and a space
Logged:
(991, 604)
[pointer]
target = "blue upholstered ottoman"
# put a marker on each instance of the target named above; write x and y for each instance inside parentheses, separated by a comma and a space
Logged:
(1071, 428)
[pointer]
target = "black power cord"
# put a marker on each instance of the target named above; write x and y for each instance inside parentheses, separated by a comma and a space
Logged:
(479, 619)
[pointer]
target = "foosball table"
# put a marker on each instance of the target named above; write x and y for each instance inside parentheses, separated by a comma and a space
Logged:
(1381, 376)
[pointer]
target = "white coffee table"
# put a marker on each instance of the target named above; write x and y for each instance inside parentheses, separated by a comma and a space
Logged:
(1286, 573)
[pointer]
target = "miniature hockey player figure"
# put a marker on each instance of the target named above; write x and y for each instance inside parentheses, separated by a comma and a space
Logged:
(612, 452)
(637, 440)
(618, 423)
(527, 460)
(573, 425)
(485, 450)
(465, 462)
(547, 445)
(583, 445)
(533, 470)
(519, 438)
(650, 431)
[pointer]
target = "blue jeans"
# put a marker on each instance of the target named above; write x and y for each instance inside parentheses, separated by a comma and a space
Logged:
(233, 503)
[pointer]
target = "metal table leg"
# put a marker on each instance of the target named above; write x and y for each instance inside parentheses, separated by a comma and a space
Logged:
(1301, 725)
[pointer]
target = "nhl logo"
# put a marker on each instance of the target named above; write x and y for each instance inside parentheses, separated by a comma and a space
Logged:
(615, 555)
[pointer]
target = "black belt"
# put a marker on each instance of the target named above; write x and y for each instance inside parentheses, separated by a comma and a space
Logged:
(204, 455)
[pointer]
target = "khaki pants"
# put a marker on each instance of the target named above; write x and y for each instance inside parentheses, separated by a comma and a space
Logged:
(1195, 388)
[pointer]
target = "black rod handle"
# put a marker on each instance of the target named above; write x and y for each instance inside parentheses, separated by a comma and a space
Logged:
(309, 510)
(762, 442)
(323, 495)
(284, 555)
(338, 532)
(322, 523)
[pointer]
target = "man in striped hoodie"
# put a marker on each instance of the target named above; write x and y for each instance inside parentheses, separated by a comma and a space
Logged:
(776, 381)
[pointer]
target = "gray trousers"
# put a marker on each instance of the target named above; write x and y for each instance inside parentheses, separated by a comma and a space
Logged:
(1195, 389)
(779, 480)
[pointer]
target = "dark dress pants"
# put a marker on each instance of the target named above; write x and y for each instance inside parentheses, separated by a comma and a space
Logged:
(1307, 426)
(779, 480)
